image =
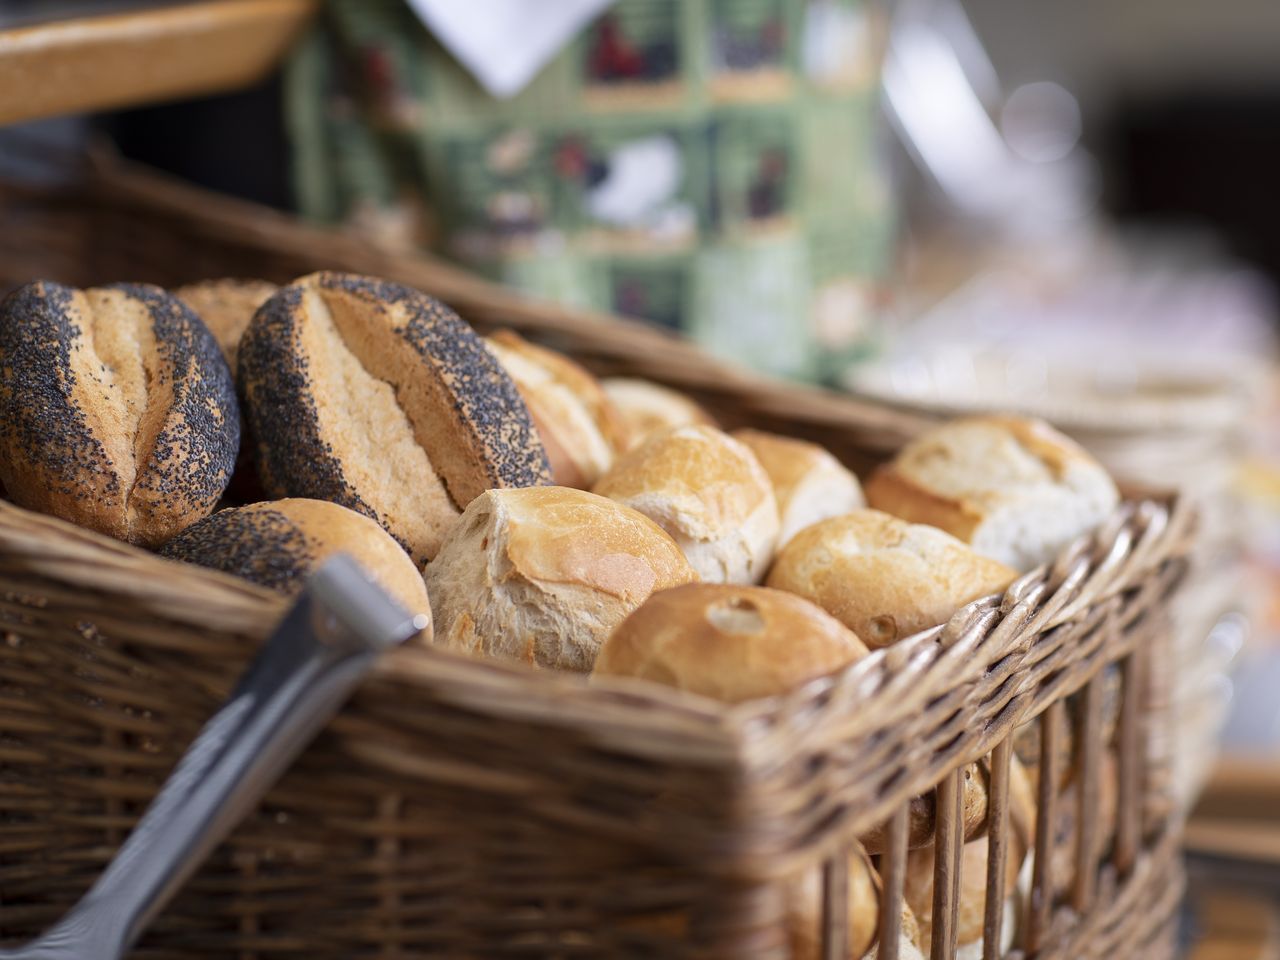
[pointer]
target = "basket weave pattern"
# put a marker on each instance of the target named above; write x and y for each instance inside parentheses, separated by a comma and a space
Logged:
(459, 808)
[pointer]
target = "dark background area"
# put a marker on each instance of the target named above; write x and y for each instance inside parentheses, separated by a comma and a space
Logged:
(1201, 160)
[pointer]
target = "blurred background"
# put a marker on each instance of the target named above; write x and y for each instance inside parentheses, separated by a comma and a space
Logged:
(1067, 209)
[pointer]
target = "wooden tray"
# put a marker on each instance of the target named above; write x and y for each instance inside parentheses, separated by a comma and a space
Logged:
(72, 64)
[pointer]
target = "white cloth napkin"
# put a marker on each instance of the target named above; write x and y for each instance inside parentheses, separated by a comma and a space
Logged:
(504, 43)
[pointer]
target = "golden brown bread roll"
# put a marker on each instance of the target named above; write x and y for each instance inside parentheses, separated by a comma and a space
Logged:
(733, 644)
(117, 411)
(804, 909)
(1013, 488)
(1067, 821)
(377, 397)
(923, 813)
(730, 643)
(647, 408)
(226, 307)
(581, 429)
(709, 492)
(883, 578)
(808, 482)
(279, 544)
(918, 886)
(544, 574)
(1026, 738)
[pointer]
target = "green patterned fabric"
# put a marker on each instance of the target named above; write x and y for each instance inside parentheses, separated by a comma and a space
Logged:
(708, 165)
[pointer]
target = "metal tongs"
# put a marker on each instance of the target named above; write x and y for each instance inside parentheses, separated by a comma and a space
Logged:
(317, 656)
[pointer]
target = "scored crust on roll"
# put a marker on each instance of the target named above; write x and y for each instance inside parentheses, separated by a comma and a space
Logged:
(581, 429)
(226, 307)
(709, 492)
(380, 398)
(808, 482)
(280, 543)
(730, 643)
(542, 575)
(884, 578)
(1013, 488)
(117, 411)
(648, 407)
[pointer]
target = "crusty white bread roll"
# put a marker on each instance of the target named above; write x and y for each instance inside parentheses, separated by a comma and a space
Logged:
(279, 544)
(735, 643)
(648, 407)
(117, 411)
(908, 937)
(730, 643)
(581, 429)
(544, 574)
(882, 577)
(380, 398)
(709, 492)
(918, 885)
(226, 306)
(1013, 488)
(808, 482)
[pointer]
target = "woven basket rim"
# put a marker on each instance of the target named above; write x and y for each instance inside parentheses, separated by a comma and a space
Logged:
(970, 668)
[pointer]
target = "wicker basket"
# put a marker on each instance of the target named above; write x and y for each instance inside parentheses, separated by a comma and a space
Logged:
(464, 809)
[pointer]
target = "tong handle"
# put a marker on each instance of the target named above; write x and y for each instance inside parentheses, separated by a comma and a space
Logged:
(308, 668)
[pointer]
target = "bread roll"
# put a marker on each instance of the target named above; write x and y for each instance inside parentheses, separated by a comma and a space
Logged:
(709, 492)
(377, 397)
(544, 574)
(226, 307)
(883, 578)
(279, 544)
(579, 425)
(647, 407)
(1067, 821)
(804, 909)
(918, 885)
(741, 643)
(1026, 738)
(908, 937)
(1014, 489)
(117, 411)
(727, 642)
(808, 482)
(922, 822)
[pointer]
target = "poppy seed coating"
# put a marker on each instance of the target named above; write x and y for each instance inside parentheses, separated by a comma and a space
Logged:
(193, 456)
(374, 396)
(484, 395)
(280, 543)
(263, 546)
(137, 441)
(293, 459)
(41, 420)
